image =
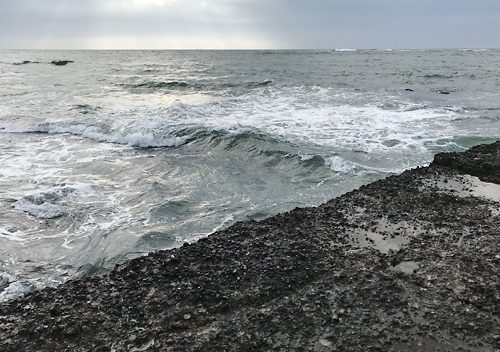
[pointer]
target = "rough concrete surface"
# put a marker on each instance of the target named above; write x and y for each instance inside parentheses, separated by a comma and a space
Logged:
(408, 263)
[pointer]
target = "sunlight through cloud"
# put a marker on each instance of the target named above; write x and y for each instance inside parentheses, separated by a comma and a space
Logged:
(150, 3)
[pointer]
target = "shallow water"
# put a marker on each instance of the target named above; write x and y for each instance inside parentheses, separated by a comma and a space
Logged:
(119, 153)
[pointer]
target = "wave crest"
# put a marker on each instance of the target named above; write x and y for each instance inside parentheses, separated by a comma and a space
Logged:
(195, 85)
(15, 62)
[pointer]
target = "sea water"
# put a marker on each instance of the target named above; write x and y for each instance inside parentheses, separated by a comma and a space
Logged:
(119, 153)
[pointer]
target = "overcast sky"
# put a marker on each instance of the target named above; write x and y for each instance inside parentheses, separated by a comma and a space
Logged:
(249, 24)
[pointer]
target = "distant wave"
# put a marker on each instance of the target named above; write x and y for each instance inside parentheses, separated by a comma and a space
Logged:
(438, 76)
(259, 84)
(198, 86)
(15, 62)
(86, 109)
(476, 50)
(23, 62)
(172, 84)
(61, 62)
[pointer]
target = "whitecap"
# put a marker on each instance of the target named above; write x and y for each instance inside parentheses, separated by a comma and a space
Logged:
(77, 189)
(340, 165)
(145, 138)
(305, 157)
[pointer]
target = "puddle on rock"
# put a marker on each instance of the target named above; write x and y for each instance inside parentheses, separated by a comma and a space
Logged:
(384, 235)
(465, 186)
(378, 241)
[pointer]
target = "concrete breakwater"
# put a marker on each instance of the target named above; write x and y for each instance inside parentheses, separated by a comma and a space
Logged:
(408, 263)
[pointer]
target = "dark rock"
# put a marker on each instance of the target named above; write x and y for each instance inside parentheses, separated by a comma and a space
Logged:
(4, 283)
(481, 161)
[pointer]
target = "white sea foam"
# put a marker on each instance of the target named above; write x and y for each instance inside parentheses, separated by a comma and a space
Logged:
(18, 236)
(14, 290)
(76, 189)
(40, 204)
(14, 287)
(323, 121)
(338, 164)
(305, 157)
(44, 211)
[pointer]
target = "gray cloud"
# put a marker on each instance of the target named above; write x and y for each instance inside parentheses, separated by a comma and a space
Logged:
(251, 23)
(390, 24)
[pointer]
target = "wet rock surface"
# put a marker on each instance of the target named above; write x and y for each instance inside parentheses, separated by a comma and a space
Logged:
(402, 264)
(481, 161)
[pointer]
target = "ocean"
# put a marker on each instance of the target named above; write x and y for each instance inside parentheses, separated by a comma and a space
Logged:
(108, 155)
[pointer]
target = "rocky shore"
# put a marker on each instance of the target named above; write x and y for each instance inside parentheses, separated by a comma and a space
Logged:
(408, 263)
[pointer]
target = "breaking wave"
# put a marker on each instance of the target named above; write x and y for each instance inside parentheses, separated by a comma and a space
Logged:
(134, 137)
(195, 85)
